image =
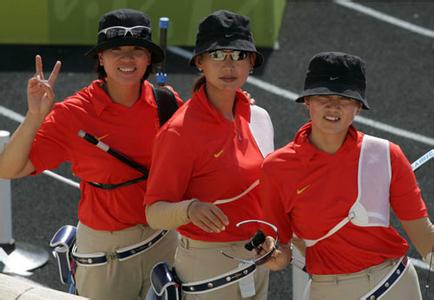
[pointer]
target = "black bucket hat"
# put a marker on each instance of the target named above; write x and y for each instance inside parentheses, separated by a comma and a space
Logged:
(336, 73)
(126, 18)
(225, 30)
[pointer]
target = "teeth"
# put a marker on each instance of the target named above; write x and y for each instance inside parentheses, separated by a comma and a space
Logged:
(331, 118)
(127, 69)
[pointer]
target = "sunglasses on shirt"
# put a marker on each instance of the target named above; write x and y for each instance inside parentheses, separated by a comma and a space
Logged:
(220, 55)
(121, 31)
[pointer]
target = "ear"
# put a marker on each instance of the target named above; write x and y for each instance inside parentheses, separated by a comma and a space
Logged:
(359, 109)
(198, 61)
(252, 58)
(100, 59)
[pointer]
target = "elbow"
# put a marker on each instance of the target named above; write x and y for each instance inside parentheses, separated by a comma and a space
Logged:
(150, 217)
(4, 174)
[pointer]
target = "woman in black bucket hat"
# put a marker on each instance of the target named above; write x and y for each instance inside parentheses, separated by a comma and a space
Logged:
(333, 187)
(115, 249)
(203, 182)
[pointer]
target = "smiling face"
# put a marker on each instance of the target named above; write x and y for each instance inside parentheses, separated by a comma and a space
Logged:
(125, 65)
(331, 115)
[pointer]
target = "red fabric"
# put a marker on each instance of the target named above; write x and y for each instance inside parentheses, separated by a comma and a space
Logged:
(306, 191)
(203, 155)
(130, 130)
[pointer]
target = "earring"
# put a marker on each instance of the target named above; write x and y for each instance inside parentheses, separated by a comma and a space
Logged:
(200, 70)
(251, 71)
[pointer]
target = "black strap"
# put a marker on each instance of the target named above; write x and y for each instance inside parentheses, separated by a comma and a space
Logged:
(110, 186)
(166, 107)
(166, 103)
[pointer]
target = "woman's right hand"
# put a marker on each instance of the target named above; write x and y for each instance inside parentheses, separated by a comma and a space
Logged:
(207, 216)
(280, 258)
(40, 92)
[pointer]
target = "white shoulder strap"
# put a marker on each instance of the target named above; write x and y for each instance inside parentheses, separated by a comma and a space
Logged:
(372, 207)
(262, 129)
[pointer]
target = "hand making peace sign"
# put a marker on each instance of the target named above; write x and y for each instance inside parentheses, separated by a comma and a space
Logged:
(40, 92)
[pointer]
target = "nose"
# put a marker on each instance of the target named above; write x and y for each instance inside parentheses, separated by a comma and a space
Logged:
(228, 60)
(127, 55)
(334, 103)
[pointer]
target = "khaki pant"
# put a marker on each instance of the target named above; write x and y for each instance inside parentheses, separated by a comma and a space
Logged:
(196, 260)
(355, 285)
(120, 280)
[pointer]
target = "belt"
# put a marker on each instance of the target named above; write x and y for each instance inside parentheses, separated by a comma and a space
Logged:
(208, 285)
(101, 258)
(388, 281)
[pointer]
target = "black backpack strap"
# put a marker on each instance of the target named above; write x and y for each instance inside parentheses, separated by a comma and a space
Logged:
(111, 186)
(166, 103)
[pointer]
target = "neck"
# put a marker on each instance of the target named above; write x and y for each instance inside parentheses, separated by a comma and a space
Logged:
(123, 95)
(329, 143)
(222, 100)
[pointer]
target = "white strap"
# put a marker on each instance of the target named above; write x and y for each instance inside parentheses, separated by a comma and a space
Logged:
(310, 243)
(251, 187)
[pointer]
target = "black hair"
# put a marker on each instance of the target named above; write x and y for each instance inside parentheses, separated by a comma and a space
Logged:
(199, 82)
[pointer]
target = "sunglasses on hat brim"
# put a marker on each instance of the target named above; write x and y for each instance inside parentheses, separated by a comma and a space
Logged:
(121, 31)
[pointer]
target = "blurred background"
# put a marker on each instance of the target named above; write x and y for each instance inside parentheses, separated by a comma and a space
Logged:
(395, 38)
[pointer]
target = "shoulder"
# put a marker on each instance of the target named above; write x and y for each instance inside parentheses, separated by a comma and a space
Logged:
(281, 158)
(171, 91)
(81, 98)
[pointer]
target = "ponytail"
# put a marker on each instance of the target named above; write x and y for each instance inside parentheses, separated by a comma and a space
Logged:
(199, 82)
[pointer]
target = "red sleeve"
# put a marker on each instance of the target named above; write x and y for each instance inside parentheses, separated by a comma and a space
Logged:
(49, 148)
(171, 167)
(271, 201)
(405, 195)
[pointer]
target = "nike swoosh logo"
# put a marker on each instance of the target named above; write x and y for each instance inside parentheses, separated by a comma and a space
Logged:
(333, 78)
(216, 155)
(300, 191)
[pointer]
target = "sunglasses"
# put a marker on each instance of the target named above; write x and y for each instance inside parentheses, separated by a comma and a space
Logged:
(120, 31)
(220, 55)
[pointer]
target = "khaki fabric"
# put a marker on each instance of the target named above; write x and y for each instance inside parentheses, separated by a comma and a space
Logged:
(197, 260)
(355, 285)
(168, 215)
(128, 279)
(421, 234)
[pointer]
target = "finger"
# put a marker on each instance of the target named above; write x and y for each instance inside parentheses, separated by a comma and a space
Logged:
(268, 244)
(38, 67)
(220, 215)
(32, 82)
(204, 226)
(211, 224)
(214, 219)
(47, 89)
(54, 73)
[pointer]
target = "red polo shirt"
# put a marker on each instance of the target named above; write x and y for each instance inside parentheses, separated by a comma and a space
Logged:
(307, 191)
(130, 130)
(205, 156)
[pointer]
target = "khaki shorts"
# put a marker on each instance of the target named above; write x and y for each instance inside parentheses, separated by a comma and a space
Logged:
(197, 260)
(128, 279)
(355, 285)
